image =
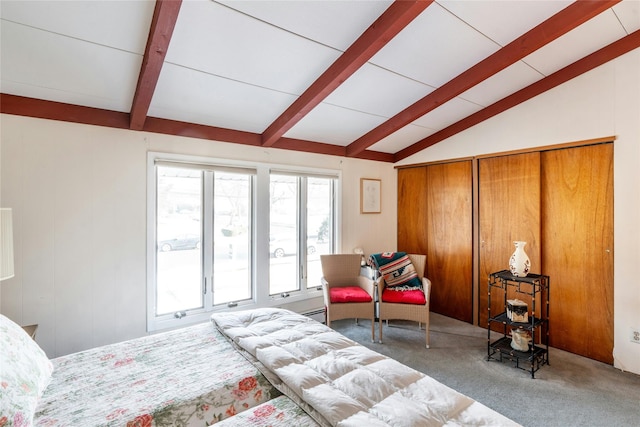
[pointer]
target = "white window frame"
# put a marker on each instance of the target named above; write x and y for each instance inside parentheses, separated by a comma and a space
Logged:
(260, 238)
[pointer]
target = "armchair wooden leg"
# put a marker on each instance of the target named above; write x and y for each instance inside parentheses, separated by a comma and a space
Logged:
(380, 331)
(427, 333)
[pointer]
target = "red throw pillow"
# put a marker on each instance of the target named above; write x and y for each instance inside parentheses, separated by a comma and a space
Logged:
(349, 294)
(404, 297)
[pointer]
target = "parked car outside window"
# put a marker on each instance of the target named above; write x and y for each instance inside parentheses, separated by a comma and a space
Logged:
(280, 247)
(181, 242)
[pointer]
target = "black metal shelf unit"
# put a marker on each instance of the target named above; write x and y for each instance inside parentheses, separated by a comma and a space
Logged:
(533, 285)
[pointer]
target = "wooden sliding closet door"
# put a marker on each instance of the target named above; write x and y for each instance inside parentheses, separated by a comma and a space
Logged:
(435, 218)
(509, 210)
(450, 239)
(577, 232)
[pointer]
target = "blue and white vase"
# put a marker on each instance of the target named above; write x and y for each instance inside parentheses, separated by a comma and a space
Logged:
(519, 263)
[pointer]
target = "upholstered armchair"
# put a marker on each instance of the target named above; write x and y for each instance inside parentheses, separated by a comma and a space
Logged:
(405, 305)
(347, 294)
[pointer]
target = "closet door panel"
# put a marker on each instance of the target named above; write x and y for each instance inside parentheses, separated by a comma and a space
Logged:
(450, 239)
(412, 210)
(509, 210)
(577, 212)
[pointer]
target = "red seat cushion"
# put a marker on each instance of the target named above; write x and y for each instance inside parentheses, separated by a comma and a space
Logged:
(348, 294)
(404, 297)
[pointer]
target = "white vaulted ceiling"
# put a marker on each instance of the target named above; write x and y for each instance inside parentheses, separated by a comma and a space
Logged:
(304, 75)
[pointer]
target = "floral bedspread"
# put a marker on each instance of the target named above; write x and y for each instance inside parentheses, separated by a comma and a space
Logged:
(187, 377)
(278, 412)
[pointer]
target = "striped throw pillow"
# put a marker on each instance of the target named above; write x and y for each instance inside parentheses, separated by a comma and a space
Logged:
(400, 275)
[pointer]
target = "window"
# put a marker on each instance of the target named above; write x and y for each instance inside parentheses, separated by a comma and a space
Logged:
(232, 227)
(179, 235)
(209, 226)
(300, 230)
(203, 224)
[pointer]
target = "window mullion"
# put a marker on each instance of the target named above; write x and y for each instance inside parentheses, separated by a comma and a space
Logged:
(208, 239)
(302, 233)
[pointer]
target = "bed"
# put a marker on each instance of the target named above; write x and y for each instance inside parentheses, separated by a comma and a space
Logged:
(187, 377)
(265, 367)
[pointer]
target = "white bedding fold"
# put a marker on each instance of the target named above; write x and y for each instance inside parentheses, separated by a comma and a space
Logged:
(348, 384)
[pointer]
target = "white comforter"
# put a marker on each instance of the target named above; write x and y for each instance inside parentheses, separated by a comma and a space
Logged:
(346, 383)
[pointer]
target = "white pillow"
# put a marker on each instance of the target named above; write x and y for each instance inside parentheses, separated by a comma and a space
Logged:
(25, 371)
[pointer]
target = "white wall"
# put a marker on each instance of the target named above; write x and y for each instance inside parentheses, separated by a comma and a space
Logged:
(79, 199)
(603, 102)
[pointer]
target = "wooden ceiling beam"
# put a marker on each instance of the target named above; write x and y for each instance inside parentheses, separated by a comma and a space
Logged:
(51, 110)
(589, 62)
(559, 24)
(387, 26)
(164, 20)
(194, 130)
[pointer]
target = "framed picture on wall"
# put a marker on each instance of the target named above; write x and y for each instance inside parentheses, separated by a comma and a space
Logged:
(369, 195)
